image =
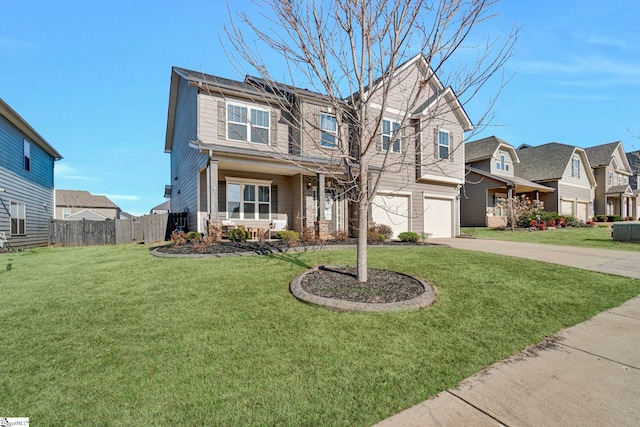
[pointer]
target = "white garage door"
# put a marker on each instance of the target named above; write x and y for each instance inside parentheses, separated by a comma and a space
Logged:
(567, 207)
(391, 210)
(438, 217)
(583, 211)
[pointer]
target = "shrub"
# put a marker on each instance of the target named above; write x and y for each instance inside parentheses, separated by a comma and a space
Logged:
(374, 237)
(192, 235)
(340, 235)
(238, 235)
(601, 218)
(614, 218)
(422, 237)
(289, 237)
(408, 236)
(385, 230)
(308, 234)
(177, 238)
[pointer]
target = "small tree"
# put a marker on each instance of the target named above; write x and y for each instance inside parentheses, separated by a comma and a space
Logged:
(518, 207)
(351, 52)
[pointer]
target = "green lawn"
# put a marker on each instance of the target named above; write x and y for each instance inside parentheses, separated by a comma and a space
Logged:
(115, 336)
(596, 237)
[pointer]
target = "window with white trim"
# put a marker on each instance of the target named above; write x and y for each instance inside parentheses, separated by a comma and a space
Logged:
(66, 213)
(26, 155)
(248, 200)
(575, 167)
(501, 164)
(619, 179)
(245, 123)
(443, 144)
(391, 130)
(18, 219)
(610, 179)
(328, 130)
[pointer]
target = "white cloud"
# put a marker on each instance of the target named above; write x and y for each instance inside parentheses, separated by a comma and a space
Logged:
(10, 44)
(600, 40)
(64, 171)
(123, 197)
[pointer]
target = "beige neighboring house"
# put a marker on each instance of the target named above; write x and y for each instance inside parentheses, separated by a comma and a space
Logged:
(614, 195)
(634, 161)
(162, 208)
(78, 204)
(235, 155)
(490, 176)
(566, 169)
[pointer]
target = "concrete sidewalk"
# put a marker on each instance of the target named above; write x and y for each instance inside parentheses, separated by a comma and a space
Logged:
(586, 375)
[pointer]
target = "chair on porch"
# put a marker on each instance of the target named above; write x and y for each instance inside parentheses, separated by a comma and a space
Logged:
(277, 225)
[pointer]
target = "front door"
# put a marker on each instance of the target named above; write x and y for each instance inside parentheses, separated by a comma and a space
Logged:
(333, 209)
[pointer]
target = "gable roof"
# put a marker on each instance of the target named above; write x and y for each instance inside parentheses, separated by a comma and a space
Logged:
(21, 124)
(600, 155)
(82, 199)
(548, 162)
(513, 181)
(633, 157)
(86, 214)
(485, 148)
(164, 206)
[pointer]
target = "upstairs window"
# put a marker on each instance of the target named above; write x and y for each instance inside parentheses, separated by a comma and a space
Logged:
(501, 164)
(619, 179)
(575, 167)
(391, 130)
(328, 130)
(610, 179)
(26, 155)
(443, 144)
(66, 213)
(18, 219)
(247, 124)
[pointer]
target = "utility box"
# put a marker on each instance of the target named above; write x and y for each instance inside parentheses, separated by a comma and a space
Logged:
(629, 232)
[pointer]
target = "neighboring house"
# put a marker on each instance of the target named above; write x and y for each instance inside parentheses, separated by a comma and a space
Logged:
(86, 214)
(634, 180)
(564, 168)
(613, 195)
(26, 181)
(71, 202)
(236, 156)
(490, 176)
(162, 208)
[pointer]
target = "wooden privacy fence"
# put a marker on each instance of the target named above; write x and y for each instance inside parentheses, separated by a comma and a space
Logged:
(147, 229)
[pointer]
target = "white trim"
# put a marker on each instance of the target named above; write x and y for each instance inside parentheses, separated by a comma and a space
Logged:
(248, 122)
(394, 193)
(398, 136)
(389, 110)
(236, 180)
(439, 178)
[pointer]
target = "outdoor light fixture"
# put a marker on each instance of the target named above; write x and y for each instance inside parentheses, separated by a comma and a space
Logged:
(2, 190)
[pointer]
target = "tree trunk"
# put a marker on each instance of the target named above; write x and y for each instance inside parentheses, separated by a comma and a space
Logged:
(363, 206)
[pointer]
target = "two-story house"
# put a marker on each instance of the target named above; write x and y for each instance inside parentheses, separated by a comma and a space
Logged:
(79, 204)
(26, 181)
(634, 180)
(490, 177)
(240, 154)
(612, 171)
(564, 168)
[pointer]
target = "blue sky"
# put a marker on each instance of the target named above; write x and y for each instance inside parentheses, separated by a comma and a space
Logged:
(92, 77)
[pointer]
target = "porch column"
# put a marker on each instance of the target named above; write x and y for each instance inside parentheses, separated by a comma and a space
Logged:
(536, 194)
(213, 189)
(322, 227)
(320, 197)
(509, 192)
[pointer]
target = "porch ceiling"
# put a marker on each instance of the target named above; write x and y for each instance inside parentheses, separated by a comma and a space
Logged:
(252, 165)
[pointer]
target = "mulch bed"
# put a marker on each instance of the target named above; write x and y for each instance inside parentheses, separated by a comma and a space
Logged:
(266, 247)
(382, 286)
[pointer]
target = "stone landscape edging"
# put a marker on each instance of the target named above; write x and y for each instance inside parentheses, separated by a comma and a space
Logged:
(424, 300)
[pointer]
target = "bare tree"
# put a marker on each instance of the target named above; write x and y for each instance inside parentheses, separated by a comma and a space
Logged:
(353, 53)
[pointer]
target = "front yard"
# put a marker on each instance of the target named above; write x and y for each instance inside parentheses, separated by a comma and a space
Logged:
(115, 336)
(592, 237)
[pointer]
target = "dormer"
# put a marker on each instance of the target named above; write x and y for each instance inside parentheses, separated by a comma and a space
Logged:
(492, 155)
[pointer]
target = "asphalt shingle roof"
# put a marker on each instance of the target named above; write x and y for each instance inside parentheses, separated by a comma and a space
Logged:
(84, 199)
(600, 155)
(482, 148)
(544, 162)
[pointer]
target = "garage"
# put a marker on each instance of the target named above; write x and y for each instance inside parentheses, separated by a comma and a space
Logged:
(567, 207)
(582, 213)
(391, 210)
(438, 217)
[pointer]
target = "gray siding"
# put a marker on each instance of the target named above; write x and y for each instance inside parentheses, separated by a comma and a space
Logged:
(38, 201)
(473, 200)
(33, 188)
(186, 162)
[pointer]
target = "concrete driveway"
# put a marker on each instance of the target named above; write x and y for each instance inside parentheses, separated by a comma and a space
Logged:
(621, 263)
(586, 375)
